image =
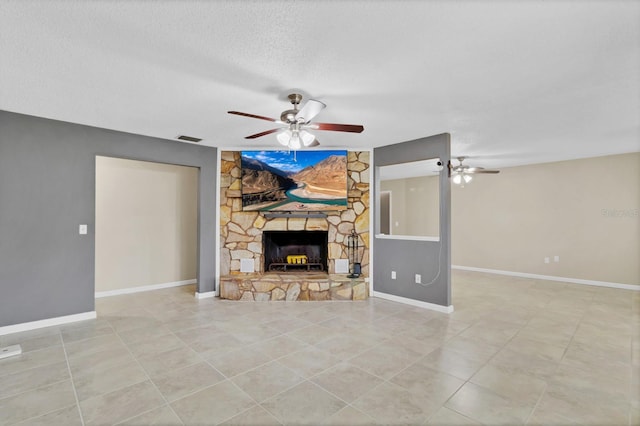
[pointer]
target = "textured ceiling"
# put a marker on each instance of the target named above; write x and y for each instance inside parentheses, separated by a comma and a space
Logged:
(514, 82)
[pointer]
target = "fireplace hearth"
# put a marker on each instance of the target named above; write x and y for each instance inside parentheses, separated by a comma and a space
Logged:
(295, 251)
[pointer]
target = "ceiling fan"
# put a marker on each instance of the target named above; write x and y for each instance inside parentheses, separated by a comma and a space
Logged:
(461, 173)
(295, 123)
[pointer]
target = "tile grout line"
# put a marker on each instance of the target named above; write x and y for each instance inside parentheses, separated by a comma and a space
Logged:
(44, 364)
(304, 379)
(149, 379)
(167, 403)
(382, 381)
(116, 334)
(257, 404)
(443, 405)
(546, 384)
(535, 406)
(247, 410)
(62, 345)
(312, 383)
(350, 404)
(73, 384)
(580, 322)
(45, 413)
(229, 378)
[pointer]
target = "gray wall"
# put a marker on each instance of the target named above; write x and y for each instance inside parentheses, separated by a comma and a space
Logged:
(408, 258)
(47, 188)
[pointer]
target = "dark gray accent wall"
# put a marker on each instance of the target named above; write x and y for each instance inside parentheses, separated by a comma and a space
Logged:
(47, 189)
(408, 258)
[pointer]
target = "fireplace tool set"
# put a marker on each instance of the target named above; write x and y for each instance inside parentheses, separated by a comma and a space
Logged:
(355, 268)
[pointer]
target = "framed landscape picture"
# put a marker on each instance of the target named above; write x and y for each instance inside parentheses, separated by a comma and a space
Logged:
(294, 180)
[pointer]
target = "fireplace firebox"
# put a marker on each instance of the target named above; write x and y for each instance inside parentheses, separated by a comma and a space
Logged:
(295, 251)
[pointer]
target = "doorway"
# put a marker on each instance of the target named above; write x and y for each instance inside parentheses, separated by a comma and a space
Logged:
(146, 225)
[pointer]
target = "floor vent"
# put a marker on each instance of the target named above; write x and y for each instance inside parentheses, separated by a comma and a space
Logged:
(8, 351)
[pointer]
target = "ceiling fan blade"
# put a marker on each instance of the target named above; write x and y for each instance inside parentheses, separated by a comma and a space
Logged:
(310, 109)
(244, 114)
(314, 143)
(473, 169)
(484, 171)
(257, 135)
(353, 128)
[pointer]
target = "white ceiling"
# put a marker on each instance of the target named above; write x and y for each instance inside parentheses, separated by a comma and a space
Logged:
(514, 82)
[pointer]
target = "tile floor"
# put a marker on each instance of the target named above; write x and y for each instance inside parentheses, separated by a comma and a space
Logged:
(515, 351)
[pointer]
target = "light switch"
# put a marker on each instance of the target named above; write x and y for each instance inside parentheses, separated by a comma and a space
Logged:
(82, 230)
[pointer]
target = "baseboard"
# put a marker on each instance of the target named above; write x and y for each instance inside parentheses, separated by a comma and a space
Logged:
(142, 288)
(412, 302)
(205, 295)
(548, 277)
(49, 322)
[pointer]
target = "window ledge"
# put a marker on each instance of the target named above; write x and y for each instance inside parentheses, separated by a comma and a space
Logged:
(407, 237)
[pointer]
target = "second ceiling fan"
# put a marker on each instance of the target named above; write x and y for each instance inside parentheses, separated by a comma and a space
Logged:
(295, 124)
(461, 173)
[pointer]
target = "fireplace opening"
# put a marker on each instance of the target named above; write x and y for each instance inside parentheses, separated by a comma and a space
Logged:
(295, 251)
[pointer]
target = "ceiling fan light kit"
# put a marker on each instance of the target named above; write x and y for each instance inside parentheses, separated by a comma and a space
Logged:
(295, 122)
(458, 178)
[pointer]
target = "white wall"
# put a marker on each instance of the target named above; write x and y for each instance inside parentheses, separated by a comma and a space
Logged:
(146, 223)
(584, 211)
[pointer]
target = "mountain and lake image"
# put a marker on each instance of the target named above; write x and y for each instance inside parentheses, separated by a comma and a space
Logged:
(294, 181)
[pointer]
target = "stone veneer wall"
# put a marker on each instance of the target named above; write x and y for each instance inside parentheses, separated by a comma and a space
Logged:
(241, 232)
(292, 287)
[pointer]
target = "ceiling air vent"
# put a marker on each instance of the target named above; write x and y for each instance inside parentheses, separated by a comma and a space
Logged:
(189, 138)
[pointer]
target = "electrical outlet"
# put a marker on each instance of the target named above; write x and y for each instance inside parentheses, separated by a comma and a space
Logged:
(342, 266)
(418, 279)
(393, 275)
(82, 229)
(556, 259)
(247, 265)
(546, 260)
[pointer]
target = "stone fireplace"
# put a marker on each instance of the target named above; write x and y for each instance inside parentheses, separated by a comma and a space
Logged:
(257, 236)
(295, 251)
